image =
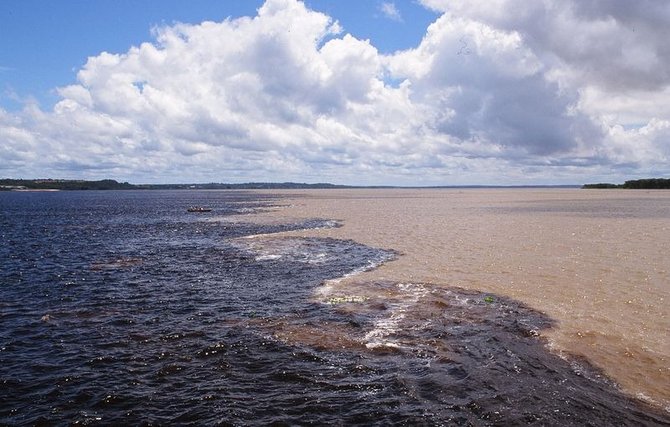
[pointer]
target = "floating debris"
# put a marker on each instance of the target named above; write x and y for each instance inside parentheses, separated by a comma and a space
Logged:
(346, 299)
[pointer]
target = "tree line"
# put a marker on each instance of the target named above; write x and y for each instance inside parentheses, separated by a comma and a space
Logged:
(637, 184)
(63, 184)
(110, 184)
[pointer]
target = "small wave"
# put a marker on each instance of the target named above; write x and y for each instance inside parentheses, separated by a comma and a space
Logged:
(267, 257)
(384, 329)
(326, 289)
(289, 249)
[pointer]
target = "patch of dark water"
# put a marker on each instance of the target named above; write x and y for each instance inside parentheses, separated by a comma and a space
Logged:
(121, 308)
(469, 358)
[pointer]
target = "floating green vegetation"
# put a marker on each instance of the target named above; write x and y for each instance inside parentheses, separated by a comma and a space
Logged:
(345, 299)
(489, 299)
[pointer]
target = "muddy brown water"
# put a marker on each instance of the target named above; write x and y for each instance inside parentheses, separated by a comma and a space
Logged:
(594, 261)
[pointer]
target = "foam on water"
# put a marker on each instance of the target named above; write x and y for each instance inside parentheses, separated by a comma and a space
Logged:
(386, 327)
(327, 289)
(270, 248)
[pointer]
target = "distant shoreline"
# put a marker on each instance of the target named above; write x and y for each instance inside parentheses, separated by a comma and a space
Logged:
(637, 184)
(110, 184)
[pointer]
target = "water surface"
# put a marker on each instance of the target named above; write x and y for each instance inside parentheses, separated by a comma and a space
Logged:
(122, 308)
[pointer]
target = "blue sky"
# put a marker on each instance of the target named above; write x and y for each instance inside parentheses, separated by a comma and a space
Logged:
(46, 42)
(405, 92)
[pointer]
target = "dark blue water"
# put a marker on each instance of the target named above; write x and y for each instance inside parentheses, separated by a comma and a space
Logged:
(123, 308)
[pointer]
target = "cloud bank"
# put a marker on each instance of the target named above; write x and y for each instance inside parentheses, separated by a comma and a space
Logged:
(497, 92)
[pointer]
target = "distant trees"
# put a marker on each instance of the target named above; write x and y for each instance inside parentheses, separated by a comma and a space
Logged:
(110, 184)
(653, 183)
(64, 184)
(601, 185)
(636, 184)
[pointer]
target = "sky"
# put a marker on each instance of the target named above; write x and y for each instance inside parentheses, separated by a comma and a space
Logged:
(372, 92)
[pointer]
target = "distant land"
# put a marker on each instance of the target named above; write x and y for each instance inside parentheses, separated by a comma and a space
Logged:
(637, 184)
(50, 184)
(110, 184)
(62, 184)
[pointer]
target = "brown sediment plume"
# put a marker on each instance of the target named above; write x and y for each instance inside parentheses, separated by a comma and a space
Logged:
(590, 260)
